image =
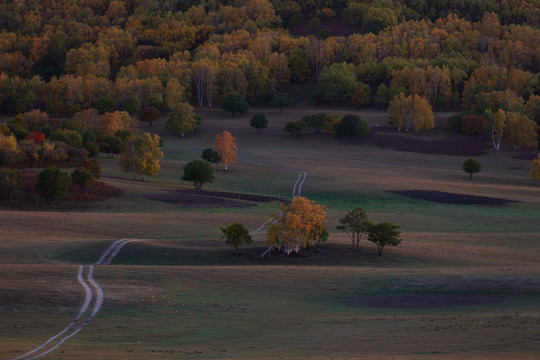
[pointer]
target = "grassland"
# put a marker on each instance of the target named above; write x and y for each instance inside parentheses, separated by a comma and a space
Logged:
(465, 283)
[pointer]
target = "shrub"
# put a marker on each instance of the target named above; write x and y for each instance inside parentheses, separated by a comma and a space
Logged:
(10, 181)
(93, 165)
(52, 183)
(82, 177)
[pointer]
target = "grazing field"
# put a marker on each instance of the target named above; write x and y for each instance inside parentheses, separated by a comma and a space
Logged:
(464, 284)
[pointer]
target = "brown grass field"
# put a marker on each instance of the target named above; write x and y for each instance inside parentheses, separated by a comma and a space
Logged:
(464, 284)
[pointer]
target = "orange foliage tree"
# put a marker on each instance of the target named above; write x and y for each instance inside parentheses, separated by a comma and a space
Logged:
(300, 225)
(225, 146)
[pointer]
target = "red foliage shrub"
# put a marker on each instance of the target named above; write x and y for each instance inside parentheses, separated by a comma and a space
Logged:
(37, 137)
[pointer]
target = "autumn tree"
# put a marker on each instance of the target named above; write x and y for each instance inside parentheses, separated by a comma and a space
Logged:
(258, 122)
(52, 183)
(410, 112)
(535, 169)
(182, 120)
(225, 146)
(199, 172)
(384, 234)
(150, 115)
(236, 235)
(281, 100)
(354, 224)
(301, 225)
(141, 155)
(497, 125)
(521, 131)
(471, 166)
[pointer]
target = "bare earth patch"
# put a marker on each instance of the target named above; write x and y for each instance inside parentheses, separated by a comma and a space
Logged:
(209, 199)
(451, 198)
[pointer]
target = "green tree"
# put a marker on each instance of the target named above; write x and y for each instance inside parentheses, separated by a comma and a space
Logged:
(351, 125)
(384, 234)
(337, 83)
(314, 121)
(111, 145)
(82, 177)
(471, 166)
(105, 105)
(281, 100)
(236, 235)
(132, 105)
(234, 103)
(354, 224)
(52, 183)
(258, 122)
(199, 171)
(211, 156)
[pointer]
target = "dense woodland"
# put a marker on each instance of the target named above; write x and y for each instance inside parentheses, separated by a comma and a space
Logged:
(105, 62)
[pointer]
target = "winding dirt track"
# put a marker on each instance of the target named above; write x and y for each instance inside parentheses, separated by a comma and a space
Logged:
(84, 317)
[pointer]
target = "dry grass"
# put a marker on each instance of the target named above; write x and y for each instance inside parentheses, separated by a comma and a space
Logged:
(183, 295)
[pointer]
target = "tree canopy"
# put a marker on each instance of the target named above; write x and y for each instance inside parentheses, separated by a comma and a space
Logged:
(384, 234)
(199, 172)
(236, 235)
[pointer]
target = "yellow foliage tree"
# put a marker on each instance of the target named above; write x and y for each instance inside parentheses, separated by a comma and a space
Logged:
(141, 155)
(521, 131)
(300, 225)
(535, 169)
(497, 124)
(225, 146)
(411, 111)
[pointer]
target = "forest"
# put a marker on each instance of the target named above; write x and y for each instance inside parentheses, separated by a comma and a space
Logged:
(104, 62)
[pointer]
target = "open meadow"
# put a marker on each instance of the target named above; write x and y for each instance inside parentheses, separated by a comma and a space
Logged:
(464, 283)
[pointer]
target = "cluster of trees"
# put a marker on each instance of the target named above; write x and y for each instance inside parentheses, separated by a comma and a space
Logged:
(200, 171)
(132, 55)
(355, 224)
(348, 126)
(301, 225)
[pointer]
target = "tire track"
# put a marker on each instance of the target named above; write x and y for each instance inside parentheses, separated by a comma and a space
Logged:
(85, 316)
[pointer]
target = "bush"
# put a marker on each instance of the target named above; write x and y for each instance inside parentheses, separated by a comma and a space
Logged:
(10, 181)
(454, 122)
(82, 177)
(69, 137)
(52, 183)
(93, 165)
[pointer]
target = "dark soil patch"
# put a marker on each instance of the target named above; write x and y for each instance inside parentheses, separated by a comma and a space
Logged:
(454, 147)
(450, 198)
(528, 157)
(232, 195)
(437, 300)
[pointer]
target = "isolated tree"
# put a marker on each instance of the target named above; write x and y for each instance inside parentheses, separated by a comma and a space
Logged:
(141, 155)
(471, 166)
(210, 155)
(225, 146)
(150, 114)
(234, 103)
(82, 177)
(301, 225)
(52, 183)
(236, 235)
(351, 125)
(354, 224)
(281, 100)
(384, 234)
(258, 122)
(535, 169)
(199, 172)
(182, 119)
